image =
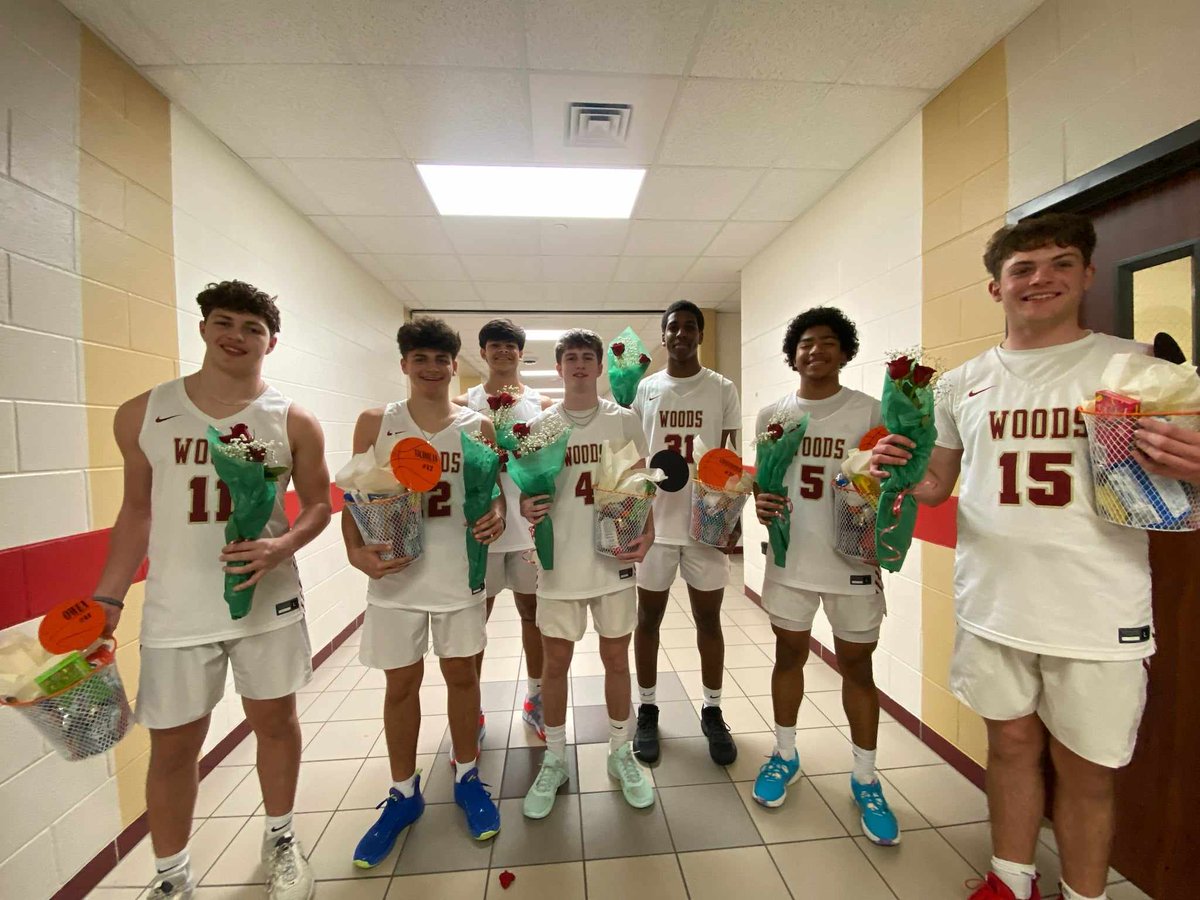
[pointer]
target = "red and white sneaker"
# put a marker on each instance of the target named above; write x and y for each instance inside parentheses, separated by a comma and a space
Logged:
(532, 715)
(992, 888)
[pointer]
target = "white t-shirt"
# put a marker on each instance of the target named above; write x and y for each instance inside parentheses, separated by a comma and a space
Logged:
(579, 571)
(516, 530)
(835, 427)
(185, 601)
(674, 412)
(437, 580)
(1035, 567)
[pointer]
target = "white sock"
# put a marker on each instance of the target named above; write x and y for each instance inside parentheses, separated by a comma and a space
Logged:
(556, 740)
(461, 768)
(407, 787)
(864, 765)
(180, 861)
(1069, 893)
(711, 697)
(277, 825)
(1018, 876)
(646, 695)
(785, 741)
(617, 735)
(533, 687)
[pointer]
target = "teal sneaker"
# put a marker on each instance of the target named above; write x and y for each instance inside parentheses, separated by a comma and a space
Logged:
(770, 787)
(550, 777)
(636, 787)
(878, 822)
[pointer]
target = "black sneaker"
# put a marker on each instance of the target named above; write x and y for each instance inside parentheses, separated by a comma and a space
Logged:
(645, 739)
(721, 747)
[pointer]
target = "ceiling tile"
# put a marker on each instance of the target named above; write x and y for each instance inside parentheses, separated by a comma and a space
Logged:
(575, 296)
(717, 268)
(444, 293)
(398, 234)
(503, 268)
(187, 91)
(737, 123)
(744, 238)
(669, 238)
(579, 268)
(119, 27)
(288, 186)
(485, 235)
(434, 32)
(551, 93)
(418, 267)
(583, 237)
(455, 115)
(647, 36)
(511, 294)
(400, 292)
(363, 187)
(374, 265)
(704, 294)
(643, 292)
(784, 194)
(693, 192)
(333, 229)
(653, 268)
(849, 123)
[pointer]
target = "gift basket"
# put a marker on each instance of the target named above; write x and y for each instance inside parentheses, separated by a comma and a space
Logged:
(719, 491)
(385, 511)
(622, 498)
(853, 522)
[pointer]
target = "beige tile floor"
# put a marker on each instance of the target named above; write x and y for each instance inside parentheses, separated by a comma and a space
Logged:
(704, 838)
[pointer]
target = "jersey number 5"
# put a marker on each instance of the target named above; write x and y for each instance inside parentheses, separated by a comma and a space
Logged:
(812, 482)
(199, 510)
(1054, 486)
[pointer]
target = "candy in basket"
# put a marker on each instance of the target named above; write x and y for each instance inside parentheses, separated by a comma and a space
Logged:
(390, 519)
(622, 498)
(853, 522)
(719, 491)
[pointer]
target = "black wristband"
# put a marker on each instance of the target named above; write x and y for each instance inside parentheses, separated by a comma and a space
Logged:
(110, 601)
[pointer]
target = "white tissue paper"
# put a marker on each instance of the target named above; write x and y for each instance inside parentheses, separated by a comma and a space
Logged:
(616, 472)
(1159, 385)
(363, 476)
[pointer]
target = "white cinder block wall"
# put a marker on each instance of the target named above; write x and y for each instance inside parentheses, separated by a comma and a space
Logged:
(859, 249)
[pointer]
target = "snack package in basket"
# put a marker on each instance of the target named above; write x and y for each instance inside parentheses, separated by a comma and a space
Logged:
(623, 497)
(627, 363)
(1132, 388)
(720, 488)
(481, 469)
(856, 501)
(774, 451)
(384, 510)
(534, 467)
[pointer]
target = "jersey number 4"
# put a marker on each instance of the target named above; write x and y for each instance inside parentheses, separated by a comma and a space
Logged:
(199, 509)
(1048, 483)
(583, 488)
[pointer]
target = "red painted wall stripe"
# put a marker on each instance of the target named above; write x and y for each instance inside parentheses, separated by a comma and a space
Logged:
(938, 524)
(34, 577)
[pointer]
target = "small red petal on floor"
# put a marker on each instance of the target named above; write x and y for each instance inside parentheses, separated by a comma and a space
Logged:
(507, 878)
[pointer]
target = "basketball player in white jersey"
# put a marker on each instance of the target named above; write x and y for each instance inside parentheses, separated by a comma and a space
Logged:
(583, 579)
(1052, 602)
(678, 406)
(408, 598)
(174, 510)
(510, 564)
(818, 343)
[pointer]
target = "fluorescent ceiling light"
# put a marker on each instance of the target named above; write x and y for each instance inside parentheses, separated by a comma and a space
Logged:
(539, 373)
(533, 191)
(552, 390)
(544, 334)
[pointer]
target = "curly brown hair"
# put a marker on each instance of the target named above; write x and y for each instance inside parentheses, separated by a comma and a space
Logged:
(1061, 229)
(240, 297)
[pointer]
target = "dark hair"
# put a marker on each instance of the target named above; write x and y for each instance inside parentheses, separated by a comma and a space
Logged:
(683, 306)
(579, 338)
(847, 334)
(503, 331)
(428, 333)
(1062, 229)
(237, 296)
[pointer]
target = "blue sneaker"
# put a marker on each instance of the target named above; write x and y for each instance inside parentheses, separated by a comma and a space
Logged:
(770, 787)
(483, 818)
(878, 822)
(398, 813)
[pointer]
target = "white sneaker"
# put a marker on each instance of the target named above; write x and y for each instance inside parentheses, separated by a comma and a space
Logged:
(173, 886)
(289, 876)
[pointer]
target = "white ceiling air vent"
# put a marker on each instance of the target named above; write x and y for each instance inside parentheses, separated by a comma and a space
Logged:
(598, 124)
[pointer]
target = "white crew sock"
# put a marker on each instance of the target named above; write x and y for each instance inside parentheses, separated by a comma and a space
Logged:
(181, 861)
(407, 787)
(646, 695)
(618, 735)
(277, 825)
(711, 697)
(1018, 876)
(864, 765)
(462, 768)
(533, 687)
(785, 741)
(556, 740)
(1069, 893)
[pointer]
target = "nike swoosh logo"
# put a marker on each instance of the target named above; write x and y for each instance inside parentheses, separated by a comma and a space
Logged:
(401, 431)
(980, 391)
(655, 397)
(166, 418)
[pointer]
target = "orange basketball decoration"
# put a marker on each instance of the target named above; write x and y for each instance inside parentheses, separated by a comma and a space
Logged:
(72, 625)
(416, 464)
(873, 437)
(718, 466)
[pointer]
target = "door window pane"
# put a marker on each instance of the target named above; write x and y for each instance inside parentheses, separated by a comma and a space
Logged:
(1162, 301)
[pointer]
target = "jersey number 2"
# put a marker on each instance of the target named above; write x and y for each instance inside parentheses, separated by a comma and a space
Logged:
(439, 501)
(199, 509)
(1043, 469)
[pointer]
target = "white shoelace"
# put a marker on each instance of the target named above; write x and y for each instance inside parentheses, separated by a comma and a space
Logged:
(285, 870)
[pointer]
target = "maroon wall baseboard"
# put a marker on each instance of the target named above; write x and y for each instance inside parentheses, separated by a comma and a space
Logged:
(87, 878)
(959, 761)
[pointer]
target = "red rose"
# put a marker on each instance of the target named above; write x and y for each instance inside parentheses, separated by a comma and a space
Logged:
(493, 403)
(899, 367)
(618, 348)
(507, 878)
(922, 375)
(258, 455)
(521, 429)
(644, 359)
(507, 399)
(774, 431)
(239, 432)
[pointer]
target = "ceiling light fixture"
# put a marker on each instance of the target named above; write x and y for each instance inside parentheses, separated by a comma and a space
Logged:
(539, 373)
(532, 191)
(544, 334)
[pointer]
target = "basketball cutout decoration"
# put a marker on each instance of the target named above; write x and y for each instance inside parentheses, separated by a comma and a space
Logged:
(71, 625)
(416, 464)
(718, 466)
(675, 467)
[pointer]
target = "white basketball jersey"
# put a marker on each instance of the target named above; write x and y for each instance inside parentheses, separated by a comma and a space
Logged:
(516, 530)
(437, 580)
(189, 506)
(835, 427)
(1035, 567)
(579, 571)
(674, 413)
